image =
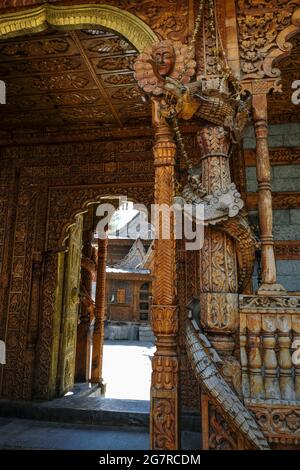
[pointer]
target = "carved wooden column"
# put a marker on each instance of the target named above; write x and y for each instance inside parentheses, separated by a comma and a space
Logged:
(259, 91)
(218, 266)
(82, 371)
(254, 355)
(270, 362)
(98, 338)
(164, 418)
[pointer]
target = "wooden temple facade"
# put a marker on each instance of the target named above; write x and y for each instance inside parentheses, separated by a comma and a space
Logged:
(150, 100)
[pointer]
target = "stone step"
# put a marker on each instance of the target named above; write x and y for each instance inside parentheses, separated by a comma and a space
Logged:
(19, 434)
(146, 333)
(91, 411)
(81, 410)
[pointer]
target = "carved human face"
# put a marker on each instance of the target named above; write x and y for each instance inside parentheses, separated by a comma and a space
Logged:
(164, 56)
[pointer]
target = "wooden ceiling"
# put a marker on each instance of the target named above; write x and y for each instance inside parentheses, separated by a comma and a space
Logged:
(84, 80)
(280, 106)
(66, 79)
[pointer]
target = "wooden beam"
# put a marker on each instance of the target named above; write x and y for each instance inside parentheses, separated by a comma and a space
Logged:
(278, 156)
(287, 249)
(95, 77)
(282, 200)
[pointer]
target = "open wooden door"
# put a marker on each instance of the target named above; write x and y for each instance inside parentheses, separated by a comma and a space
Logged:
(70, 309)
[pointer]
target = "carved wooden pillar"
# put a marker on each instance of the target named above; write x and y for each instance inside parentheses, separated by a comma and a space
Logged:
(82, 371)
(164, 419)
(254, 354)
(284, 357)
(296, 337)
(218, 266)
(269, 356)
(98, 337)
(259, 91)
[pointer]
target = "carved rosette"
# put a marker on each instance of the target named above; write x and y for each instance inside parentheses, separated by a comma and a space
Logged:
(281, 424)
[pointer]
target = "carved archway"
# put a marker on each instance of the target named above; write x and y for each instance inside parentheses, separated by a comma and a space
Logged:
(35, 20)
(64, 205)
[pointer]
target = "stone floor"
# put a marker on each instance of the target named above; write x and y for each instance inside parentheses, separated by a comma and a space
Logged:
(127, 369)
(27, 434)
(117, 422)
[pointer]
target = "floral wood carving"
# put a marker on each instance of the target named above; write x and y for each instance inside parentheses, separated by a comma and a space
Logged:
(280, 424)
(221, 436)
(264, 29)
(168, 18)
(164, 423)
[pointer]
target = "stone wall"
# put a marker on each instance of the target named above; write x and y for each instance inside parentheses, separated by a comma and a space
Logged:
(285, 178)
(280, 135)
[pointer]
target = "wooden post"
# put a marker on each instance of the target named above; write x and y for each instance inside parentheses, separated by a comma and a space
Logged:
(164, 418)
(259, 91)
(98, 337)
(83, 345)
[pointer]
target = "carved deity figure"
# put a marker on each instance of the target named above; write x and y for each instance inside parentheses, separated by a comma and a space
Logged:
(163, 59)
(164, 72)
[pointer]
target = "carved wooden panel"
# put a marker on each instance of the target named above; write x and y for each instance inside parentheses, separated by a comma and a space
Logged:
(187, 287)
(169, 18)
(19, 293)
(280, 424)
(55, 183)
(280, 106)
(260, 21)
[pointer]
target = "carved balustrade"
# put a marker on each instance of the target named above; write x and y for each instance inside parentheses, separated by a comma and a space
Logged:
(269, 329)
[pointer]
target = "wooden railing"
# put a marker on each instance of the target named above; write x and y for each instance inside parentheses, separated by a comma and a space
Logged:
(269, 329)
